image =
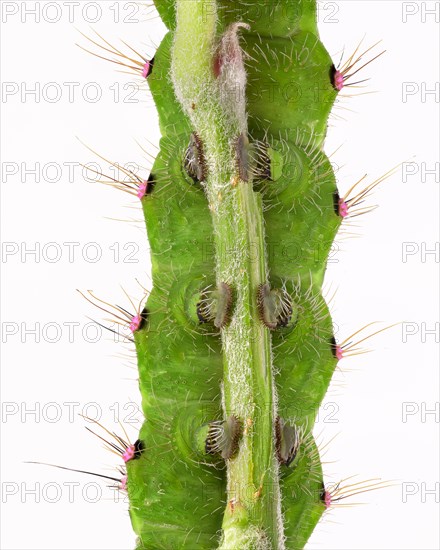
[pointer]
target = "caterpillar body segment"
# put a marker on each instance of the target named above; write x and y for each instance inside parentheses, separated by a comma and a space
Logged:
(269, 18)
(180, 366)
(240, 222)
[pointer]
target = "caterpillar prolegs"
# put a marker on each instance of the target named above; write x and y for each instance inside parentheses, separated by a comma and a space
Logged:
(237, 350)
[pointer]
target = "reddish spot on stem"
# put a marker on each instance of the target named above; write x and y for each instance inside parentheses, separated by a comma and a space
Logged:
(327, 499)
(124, 483)
(232, 503)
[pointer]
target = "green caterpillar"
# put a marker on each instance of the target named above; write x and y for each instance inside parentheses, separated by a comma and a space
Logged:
(235, 345)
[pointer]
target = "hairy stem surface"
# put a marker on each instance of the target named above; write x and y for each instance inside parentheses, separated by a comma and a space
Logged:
(216, 107)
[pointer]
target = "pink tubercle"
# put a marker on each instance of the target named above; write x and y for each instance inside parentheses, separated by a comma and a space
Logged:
(339, 353)
(123, 483)
(343, 208)
(146, 69)
(129, 453)
(135, 323)
(142, 189)
(338, 80)
(327, 499)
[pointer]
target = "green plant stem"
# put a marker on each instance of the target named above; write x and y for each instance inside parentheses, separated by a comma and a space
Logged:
(253, 513)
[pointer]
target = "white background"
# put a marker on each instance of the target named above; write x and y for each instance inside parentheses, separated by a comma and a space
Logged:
(364, 405)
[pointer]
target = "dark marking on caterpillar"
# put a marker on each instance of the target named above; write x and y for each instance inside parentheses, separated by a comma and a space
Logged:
(149, 184)
(139, 447)
(204, 307)
(223, 437)
(242, 157)
(336, 201)
(143, 318)
(275, 307)
(332, 75)
(287, 441)
(264, 169)
(202, 314)
(285, 317)
(333, 346)
(194, 162)
(340, 206)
